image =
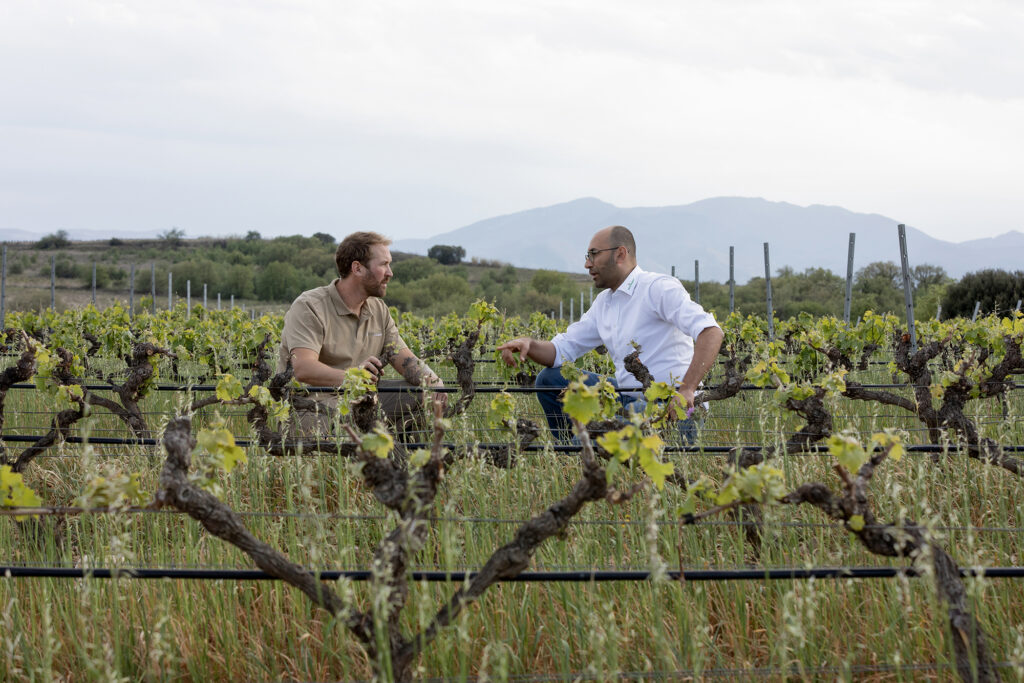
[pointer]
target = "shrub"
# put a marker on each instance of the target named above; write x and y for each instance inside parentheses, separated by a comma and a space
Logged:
(57, 240)
(66, 268)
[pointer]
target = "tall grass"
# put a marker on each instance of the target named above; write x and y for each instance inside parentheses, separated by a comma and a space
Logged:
(316, 510)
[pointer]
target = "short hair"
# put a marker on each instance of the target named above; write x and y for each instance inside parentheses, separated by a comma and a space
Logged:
(622, 237)
(356, 247)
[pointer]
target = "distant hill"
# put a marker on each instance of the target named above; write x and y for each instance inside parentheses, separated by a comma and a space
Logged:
(555, 237)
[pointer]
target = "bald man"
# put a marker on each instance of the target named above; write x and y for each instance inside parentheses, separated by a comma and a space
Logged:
(679, 340)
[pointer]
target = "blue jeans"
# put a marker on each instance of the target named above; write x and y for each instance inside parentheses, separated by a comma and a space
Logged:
(558, 421)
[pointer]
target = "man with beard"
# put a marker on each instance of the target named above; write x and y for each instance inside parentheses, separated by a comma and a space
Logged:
(679, 340)
(346, 324)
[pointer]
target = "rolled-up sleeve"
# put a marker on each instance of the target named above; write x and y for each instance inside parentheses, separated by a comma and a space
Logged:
(673, 304)
(578, 338)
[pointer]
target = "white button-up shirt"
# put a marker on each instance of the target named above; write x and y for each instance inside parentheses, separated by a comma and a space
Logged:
(651, 309)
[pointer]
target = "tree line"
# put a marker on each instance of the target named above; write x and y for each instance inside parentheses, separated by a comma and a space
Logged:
(276, 270)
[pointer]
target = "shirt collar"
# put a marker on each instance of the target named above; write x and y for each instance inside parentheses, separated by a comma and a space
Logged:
(340, 307)
(628, 285)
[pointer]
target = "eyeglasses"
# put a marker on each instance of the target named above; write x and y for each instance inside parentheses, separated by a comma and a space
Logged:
(592, 253)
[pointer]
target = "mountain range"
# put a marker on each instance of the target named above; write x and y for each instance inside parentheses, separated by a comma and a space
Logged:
(800, 237)
(556, 237)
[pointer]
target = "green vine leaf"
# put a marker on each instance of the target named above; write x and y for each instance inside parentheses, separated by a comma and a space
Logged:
(582, 402)
(228, 387)
(116, 490)
(219, 442)
(378, 442)
(848, 451)
(502, 410)
(357, 383)
(630, 443)
(14, 493)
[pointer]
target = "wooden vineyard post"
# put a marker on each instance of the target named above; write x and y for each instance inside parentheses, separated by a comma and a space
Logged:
(152, 287)
(53, 282)
(93, 283)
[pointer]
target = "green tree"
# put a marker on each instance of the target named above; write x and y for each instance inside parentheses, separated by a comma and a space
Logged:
(997, 290)
(446, 254)
(172, 237)
(926, 275)
(878, 287)
(198, 272)
(817, 291)
(281, 282)
(550, 282)
(439, 294)
(412, 269)
(237, 280)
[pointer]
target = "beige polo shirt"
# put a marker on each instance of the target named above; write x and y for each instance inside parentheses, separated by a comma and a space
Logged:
(319, 320)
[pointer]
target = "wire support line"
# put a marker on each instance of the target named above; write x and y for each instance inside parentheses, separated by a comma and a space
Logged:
(582, 576)
(816, 450)
(745, 673)
(481, 388)
(67, 511)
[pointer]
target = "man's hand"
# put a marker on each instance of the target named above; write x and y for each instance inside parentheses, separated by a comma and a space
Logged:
(373, 365)
(510, 350)
(539, 351)
(676, 410)
(439, 401)
(705, 350)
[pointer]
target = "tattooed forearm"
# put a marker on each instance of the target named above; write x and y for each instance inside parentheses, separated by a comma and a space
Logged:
(416, 372)
(387, 356)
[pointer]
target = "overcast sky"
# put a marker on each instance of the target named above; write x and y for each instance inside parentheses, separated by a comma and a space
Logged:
(414, 118)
